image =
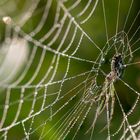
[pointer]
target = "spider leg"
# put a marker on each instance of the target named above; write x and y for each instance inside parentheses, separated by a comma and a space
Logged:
(111, 112)
(88, 99)
(108, 116)
(112, 95)
(102, 101)
(112, 101)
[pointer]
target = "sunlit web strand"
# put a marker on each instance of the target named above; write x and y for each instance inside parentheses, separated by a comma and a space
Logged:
(35, 114)
(74, 21)
(37, 43)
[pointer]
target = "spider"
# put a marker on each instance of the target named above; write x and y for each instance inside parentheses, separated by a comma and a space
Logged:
(108, 90)
(104, 97)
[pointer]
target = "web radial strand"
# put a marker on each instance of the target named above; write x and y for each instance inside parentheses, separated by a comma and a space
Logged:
(104, 12)
(129, 11)
(134, 34)
(76, 118)
(72, 110)
(133, 21)
(69, 113)
(118, 15)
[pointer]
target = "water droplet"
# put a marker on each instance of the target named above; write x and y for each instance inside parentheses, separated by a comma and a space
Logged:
(7, 20)
(103, 60)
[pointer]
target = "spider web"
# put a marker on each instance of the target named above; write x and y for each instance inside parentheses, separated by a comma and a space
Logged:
(69, 47)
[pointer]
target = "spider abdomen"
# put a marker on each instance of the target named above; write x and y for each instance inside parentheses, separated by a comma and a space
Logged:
(117, 65)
